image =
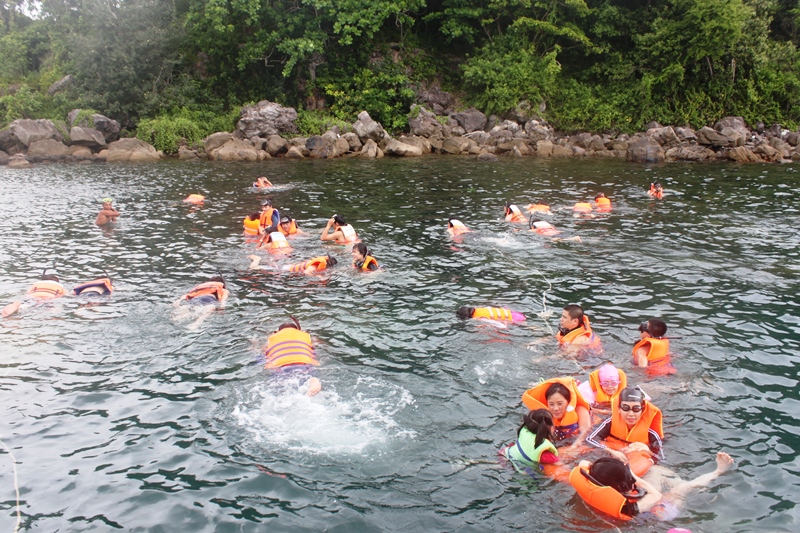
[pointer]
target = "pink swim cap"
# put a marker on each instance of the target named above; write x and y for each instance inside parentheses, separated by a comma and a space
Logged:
(678, 530)
(608, 372)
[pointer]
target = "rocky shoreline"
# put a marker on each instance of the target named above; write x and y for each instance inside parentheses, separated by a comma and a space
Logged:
(265, 131)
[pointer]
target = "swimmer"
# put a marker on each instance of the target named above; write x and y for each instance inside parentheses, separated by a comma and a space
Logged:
(455, 227)
(601, 203)
(633, 420)
(574, 328)
(48, 287)
(204, 298)
(251, 224)
(101, 286)
(194, 199)
(513, 214)
(290, 346)
(317, 264)
(603, 387)
(534, 446)
(262, 183)
(361, 258)
(288, 226)
(652, 348)
(107, 214)
(609, 486)
(570, 411)
(275, 243)
(343, 232)
(490, 313)
(270, 218)
(543, 227)
(541, 209)
(656, 190)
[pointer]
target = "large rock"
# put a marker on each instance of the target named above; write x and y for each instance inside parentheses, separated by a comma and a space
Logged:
(711, 137)
(236, 150)
(186, 154)
(366, 128)
(742, 155)
(215, 140)
(692, 152)
(353, 141)
(665, 136)
(514, 145)
(18, 161)
(793, 138)
(48, 148)
(422, 143)
(28, 131)
(736, 123)
(538, 130)
(370, 150)
(767, 152)
(782, 146)
(425, 124)
(60, 85)
(457, 145)
(395, 147)
(441, 102)
(132, 150)
(544, 148)
(3, 158)
(276, 145)
(735, 137)
(294, 152)
(327, 146)
(560, 150)
(107, 126)
(10, 144)
(645, 151)
(470, 120)
(266, 118)
(685, 135)
(486, 156)
(88, 137)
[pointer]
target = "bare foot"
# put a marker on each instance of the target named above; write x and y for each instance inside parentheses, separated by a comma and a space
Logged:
(254, 261)
(314, 386)
(724, 462)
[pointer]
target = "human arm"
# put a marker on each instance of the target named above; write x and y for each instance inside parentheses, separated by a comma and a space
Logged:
(650, 499)
(330, 236)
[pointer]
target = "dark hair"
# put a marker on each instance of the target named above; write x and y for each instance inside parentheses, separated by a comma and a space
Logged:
(613, 473)
(331, 261)
(339, 219)
(559, 389)
(540, 423)
(656, 327)
(254, 216)
(600, 195)
(465, 312)
(361, 247)
(219, 279)
(288, 325)
(507, 207)
(575, 311)
(50, 277)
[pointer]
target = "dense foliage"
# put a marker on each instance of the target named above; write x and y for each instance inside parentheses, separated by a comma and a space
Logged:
(176, 67)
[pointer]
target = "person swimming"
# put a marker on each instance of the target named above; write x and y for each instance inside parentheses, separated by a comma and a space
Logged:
(534, 444)
(291, 347)
(490, 313)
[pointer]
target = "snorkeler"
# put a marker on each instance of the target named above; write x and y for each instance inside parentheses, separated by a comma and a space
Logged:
(290, 346)
(48, 287)
(490, 313)
(361, 258)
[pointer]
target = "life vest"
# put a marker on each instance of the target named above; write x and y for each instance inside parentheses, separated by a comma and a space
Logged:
(657, 350)
(458, 227)
(582, 207)
(278, 243)
(638, 461)
(251, 227)
(265, 220)
(194, 199)
(493, 313)
(604, 499)
(290, 346)
(538, 208)
(658, 193)
(320, 263)
(568, 424)
(584, 330)
(214, 288)
(515, 215)
(364, 265)
(348, 234)
(650, 419)
(544, 228)
(525, 450)
(292, 228)
(603, 204)
(102, 283)
(601, 397)
(46, 289)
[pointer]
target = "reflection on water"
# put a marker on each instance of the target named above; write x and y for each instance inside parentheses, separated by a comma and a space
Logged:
(122, 414)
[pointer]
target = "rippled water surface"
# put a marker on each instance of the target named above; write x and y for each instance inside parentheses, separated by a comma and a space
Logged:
(127, 414)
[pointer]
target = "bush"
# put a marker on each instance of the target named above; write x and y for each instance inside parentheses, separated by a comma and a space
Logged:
(318, 122)
(25, 103)
(166, 132)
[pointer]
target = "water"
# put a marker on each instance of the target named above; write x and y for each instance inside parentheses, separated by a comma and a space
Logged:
(124, 415)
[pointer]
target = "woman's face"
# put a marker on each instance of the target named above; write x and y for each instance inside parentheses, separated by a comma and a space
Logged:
(610, 387)
(357, 255)
(557, 405)
(631, 416)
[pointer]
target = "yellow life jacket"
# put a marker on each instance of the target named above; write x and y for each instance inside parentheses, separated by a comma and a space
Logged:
(46, 289)
(290, 346)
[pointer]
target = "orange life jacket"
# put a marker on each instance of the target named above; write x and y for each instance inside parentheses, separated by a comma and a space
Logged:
(368, 259)
(538, 208)
(544, 228)
(348, 234)
(290, 346)
(251, 227)
(214, 288)
(604, 499)
(493, 313)
(265, 220)
(320, 263)
(657, 350)
(46, 289)
(515, 215)
(568, 424)
(600, 395)
(292, 228)
(194, 199)
(104, 283)
(658, 193)
(603, 204)
(650, 419)
(582, 207)
(584, 330)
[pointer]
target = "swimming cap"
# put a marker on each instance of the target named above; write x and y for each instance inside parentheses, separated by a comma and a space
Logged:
(631, 394)
(108, 200)
(285, 219)
(679, 530)
(267, 202)
(608, 372)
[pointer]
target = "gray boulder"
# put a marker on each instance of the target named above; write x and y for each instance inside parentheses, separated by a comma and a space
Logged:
(48, 149)
(793, 138)
(132, 150)
(514, 145)
(665, 136)
(559, 150)
(538, 130)
(3, 158)
(782, 146)
(353, 141)
(370, 150)
(10, 144)
(441, 102)
(326, 146)
(395, 147)
(711, 137)
(420, 142)
(28, 131)
(544, 148)
(686, 135)
(88, 137)
(60, 85)
(736, 123)
(457, 145)
(107, 126)
(186, 154)
(425, 124)
(294, 152)
(692, 152)
(276, 145)
(470, 120)
(366, 128)
(767, 152)
(735, 137)
(215, 140)
(645, 151)
(236, 150)
(266, 118)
